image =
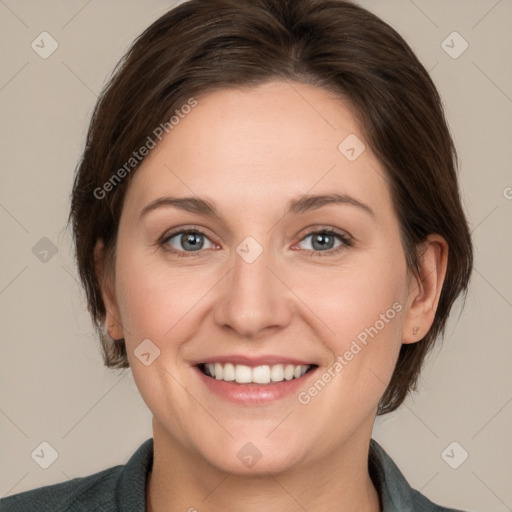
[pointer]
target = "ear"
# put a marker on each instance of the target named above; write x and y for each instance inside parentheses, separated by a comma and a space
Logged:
(425, 289)
(105, 278)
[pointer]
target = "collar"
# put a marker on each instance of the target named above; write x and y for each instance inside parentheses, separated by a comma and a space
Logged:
(396, 495)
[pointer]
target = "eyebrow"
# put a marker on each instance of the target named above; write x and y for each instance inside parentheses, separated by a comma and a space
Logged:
(295, 206)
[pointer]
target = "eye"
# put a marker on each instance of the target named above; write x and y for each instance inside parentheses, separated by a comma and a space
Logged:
(186, 241)
(324, 240)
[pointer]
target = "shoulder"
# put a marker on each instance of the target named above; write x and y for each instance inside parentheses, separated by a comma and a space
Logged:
(92, 492)
(117, 488)
(395, 492)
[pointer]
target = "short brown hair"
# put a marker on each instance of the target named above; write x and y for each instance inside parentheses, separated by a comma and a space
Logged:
(206, 45)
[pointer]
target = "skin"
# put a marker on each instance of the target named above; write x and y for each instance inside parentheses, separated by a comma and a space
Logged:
(250, 151)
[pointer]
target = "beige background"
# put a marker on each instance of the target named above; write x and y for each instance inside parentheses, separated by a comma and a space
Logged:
(53, 385)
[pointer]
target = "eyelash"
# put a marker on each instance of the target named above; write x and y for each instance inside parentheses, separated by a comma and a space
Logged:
(346, 242)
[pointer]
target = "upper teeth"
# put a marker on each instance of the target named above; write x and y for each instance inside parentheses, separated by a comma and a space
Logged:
(257, 374)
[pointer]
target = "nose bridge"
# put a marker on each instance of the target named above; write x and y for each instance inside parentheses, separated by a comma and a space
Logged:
(253, 298)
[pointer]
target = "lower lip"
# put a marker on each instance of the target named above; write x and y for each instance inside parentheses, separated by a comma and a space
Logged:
(252, 394)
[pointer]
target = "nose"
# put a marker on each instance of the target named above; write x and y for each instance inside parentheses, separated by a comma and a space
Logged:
(254, 299)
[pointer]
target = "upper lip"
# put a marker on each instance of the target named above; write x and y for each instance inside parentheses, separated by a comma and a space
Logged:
(261, 360)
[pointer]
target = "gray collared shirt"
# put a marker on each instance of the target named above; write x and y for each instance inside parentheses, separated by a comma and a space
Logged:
(123, 488)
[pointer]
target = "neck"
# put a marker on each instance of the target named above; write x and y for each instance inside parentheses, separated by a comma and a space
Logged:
(181, 480)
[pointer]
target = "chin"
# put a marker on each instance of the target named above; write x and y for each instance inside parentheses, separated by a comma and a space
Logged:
(249, 460)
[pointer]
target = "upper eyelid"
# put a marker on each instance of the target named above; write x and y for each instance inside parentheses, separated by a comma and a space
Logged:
(171, 234)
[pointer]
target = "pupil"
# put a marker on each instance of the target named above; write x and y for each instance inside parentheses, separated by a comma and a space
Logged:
(192, 240)
(324, 240)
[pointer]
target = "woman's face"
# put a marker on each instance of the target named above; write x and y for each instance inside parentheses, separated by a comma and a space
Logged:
(261, 283)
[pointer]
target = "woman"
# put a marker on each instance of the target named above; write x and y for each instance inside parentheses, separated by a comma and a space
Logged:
(269, 230)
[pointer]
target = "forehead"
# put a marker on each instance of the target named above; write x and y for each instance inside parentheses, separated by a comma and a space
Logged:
(265, 144)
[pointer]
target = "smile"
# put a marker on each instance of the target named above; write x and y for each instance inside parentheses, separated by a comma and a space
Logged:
(263, 374)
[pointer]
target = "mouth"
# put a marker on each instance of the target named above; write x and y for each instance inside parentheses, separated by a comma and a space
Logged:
(263, 375)
(253, 379)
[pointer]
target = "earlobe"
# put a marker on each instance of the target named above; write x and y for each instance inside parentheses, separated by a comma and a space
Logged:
(113, 326)
(424, 294)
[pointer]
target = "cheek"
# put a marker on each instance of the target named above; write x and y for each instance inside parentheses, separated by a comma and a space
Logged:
(366, 292)
(159, 300)
(363, 306)
(152, 300)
